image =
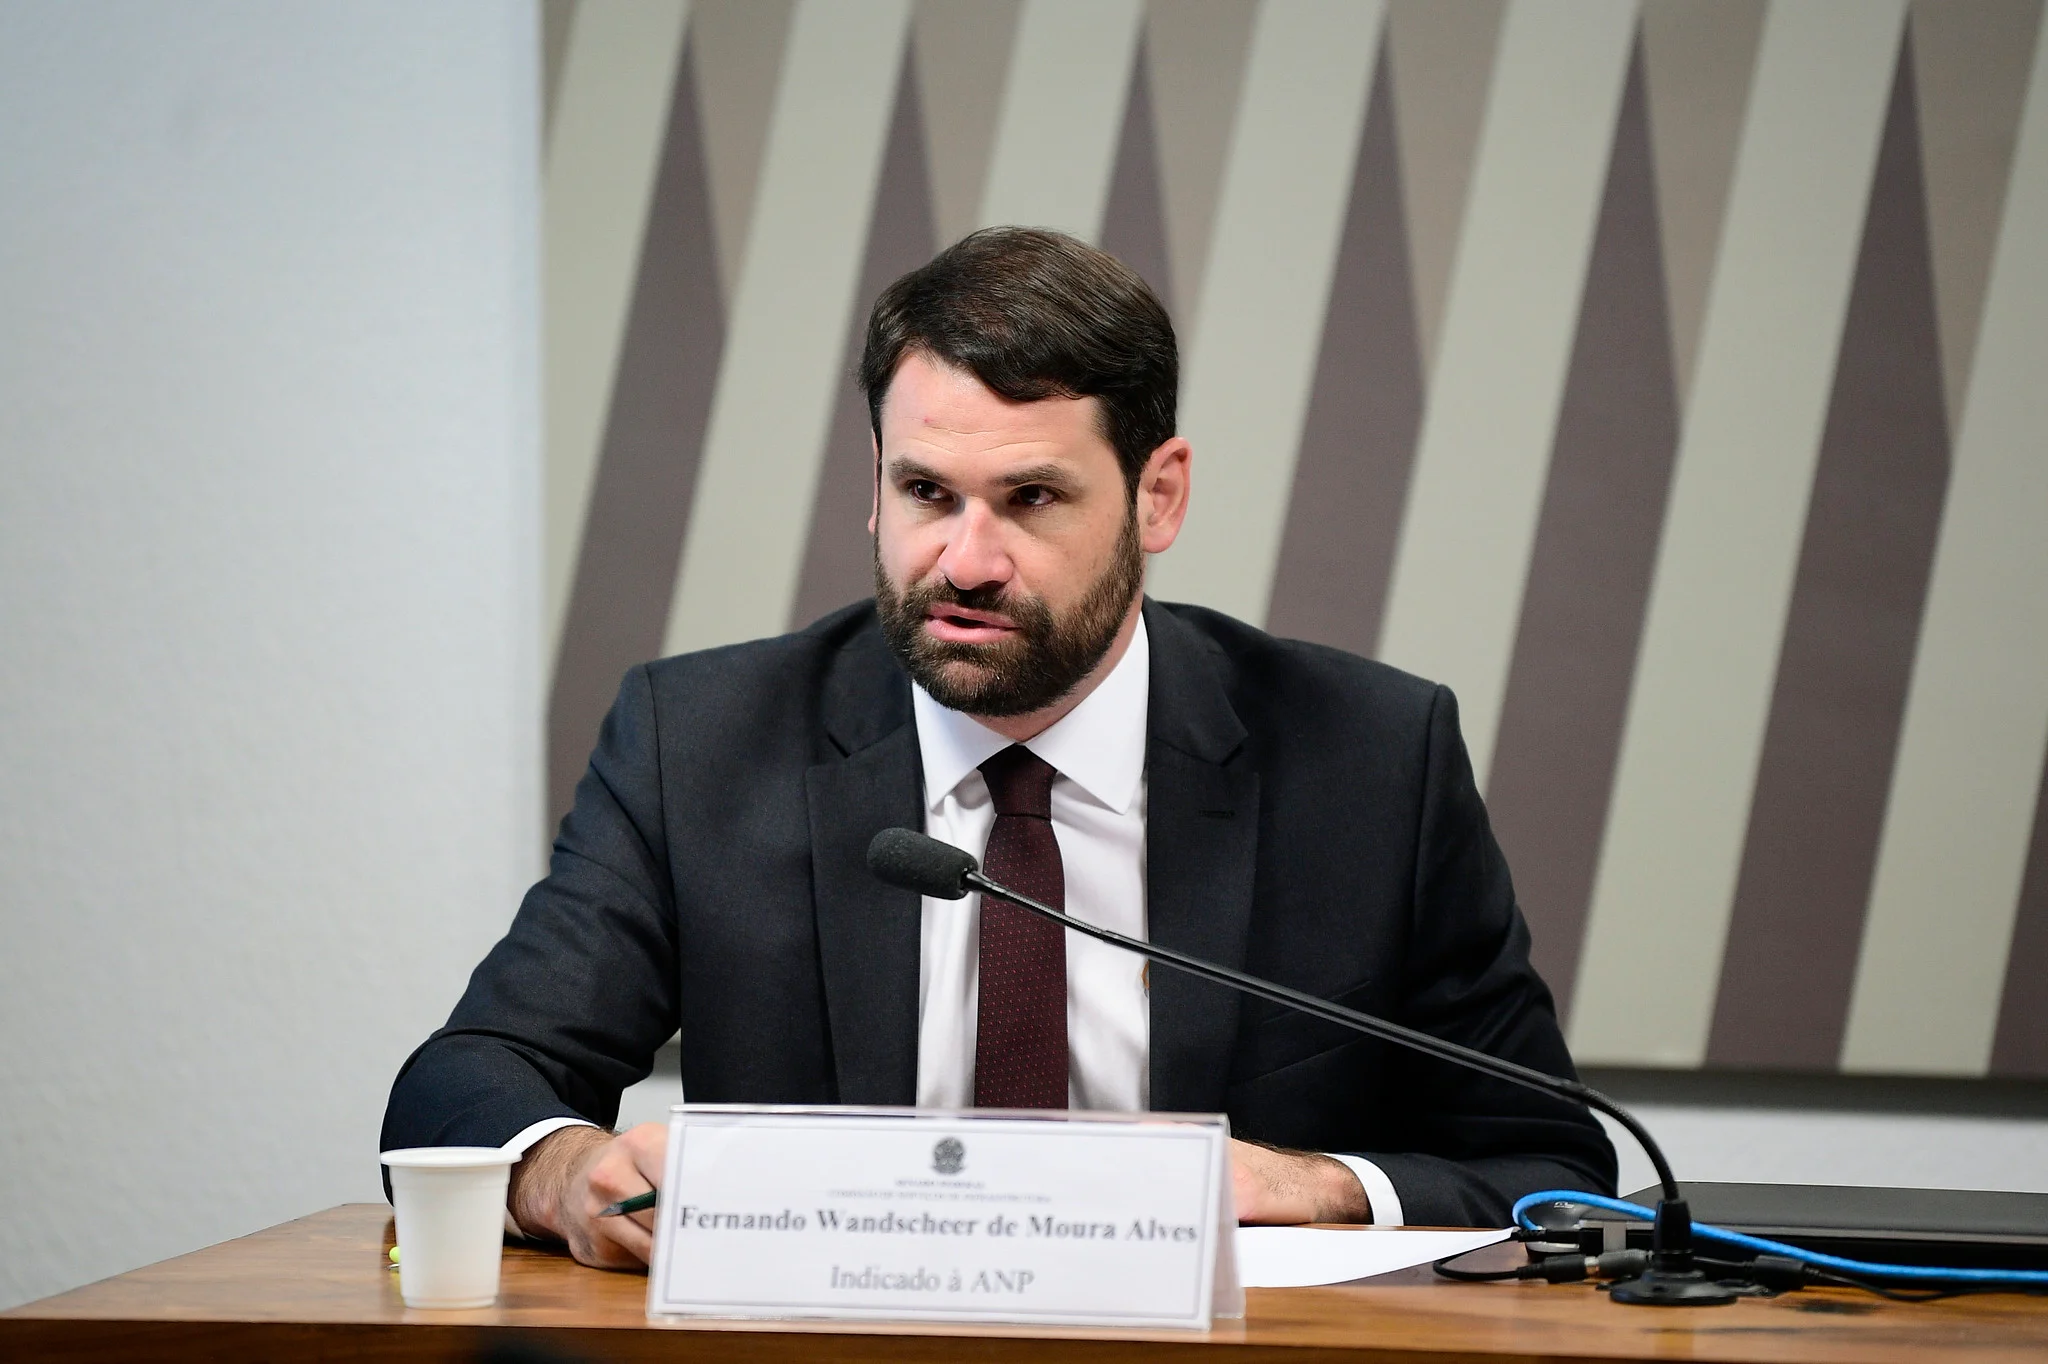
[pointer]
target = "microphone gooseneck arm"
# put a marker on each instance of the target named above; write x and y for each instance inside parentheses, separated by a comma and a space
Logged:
(914, 861)
(1350, 1018)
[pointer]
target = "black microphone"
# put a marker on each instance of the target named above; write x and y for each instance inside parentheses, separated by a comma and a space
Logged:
(914, 861)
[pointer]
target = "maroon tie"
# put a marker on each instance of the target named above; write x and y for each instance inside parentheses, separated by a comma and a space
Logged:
(1020, 1046)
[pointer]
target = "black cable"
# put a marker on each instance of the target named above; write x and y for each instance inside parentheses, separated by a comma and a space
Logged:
(1828, 1276)
(1930, 1294)
(1444, 1270)
(1768, 1275)
(1614, 1264)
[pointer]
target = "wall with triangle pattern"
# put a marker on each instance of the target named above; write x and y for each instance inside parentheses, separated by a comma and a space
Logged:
(1665, 377)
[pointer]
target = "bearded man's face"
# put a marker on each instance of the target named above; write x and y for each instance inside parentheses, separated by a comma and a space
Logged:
(1032, 666)
(1008, 550)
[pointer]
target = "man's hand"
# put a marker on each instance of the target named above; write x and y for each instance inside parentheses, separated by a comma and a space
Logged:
(568, 1176)
(1277, 1186)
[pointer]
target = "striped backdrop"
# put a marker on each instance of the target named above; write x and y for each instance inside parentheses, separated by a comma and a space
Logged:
(1668, 378)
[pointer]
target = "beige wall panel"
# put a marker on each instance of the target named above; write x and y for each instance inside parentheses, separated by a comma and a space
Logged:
(1963, 791)
(1513, 309)
(1442, 55)
(788, 324)
(962, 51)
(1698, 57)
(1063, 105)
(736, 47)
(1970, 59)
(1665, 886)
(1250, 364)
(1197, 51)
(611, 109)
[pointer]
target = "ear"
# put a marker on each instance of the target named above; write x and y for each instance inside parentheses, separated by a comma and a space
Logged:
(1163, 490)
(875, 503)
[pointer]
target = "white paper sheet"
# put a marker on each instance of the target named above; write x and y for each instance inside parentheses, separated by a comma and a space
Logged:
(1297, 1257)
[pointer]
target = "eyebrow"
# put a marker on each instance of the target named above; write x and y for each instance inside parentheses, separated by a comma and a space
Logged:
(906, 466)
(1037, 473)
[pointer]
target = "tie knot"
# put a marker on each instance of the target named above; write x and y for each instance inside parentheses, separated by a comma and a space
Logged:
(1020, 782)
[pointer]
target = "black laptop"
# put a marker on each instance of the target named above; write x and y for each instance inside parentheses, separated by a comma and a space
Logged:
(1952, 1228)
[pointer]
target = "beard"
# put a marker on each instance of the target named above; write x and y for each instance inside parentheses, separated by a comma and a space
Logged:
(1039, 664)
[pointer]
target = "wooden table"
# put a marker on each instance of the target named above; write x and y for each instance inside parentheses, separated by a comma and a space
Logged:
(318, 1288)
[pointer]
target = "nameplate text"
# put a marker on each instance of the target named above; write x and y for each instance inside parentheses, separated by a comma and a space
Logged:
(900, 1214)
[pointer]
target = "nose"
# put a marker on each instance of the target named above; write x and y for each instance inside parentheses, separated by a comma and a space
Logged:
(974, 555)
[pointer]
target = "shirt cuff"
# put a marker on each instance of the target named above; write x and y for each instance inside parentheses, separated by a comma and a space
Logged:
(525, 1140)
(1379, 1190)
(528, 1137)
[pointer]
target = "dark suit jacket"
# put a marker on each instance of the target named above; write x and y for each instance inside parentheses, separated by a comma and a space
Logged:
(1312, 818)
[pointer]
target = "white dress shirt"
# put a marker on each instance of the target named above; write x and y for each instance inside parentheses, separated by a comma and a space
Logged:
(1098, 819)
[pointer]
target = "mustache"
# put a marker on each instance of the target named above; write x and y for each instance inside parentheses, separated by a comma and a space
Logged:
(940, 590)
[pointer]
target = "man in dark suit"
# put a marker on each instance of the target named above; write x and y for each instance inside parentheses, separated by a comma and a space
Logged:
(1164, 770)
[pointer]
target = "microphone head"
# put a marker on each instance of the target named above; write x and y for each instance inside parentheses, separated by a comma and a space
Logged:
(912, 861)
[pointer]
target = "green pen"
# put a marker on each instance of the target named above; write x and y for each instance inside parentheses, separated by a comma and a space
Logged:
(637, 1203)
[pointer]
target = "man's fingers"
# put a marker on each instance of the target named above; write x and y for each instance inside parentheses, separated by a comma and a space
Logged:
(612, 1243)
(629, 1165)
(618, 1243)
(616, 1175)
(648, 1146)
(634, 1239)
(604, 1250)
(624, 1167)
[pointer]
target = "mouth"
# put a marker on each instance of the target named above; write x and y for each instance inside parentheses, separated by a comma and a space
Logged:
(965, 625)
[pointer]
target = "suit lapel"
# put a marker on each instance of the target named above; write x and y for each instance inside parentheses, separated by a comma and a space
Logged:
(1202, 820)
(1202, 817)
(868, 933)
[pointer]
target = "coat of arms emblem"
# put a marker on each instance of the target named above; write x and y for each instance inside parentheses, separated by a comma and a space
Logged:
(948, 1156)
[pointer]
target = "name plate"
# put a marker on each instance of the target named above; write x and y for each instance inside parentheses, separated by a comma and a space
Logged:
(909, 1214)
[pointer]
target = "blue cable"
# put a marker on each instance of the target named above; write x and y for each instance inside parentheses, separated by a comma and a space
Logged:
(1869, 1269)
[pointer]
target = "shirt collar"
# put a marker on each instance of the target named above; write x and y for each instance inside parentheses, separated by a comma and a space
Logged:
(1099, 745)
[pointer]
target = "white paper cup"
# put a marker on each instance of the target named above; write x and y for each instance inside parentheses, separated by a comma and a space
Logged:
(450, 1203)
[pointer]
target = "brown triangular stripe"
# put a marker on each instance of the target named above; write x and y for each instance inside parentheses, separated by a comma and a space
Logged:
(1699, 57)
(1970, 61)
(1442, 63)
(839, 555)
(1134, 221)
(1590, 567)
(2021, 1047)
(1195, 56)
(1850, 637)
(740, 47)
(962, 54)
(1364, 410)
(647, 468)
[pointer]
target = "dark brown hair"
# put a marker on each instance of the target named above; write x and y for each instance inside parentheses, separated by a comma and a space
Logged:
(1036, 314)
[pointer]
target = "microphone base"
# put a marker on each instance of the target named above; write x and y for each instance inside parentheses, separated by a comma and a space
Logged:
(1668, 1288)
(1673, 1279)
